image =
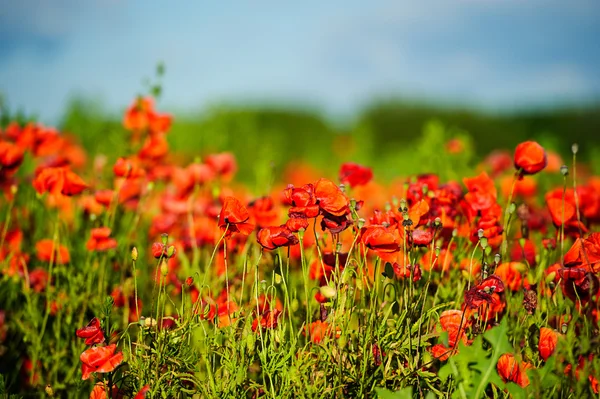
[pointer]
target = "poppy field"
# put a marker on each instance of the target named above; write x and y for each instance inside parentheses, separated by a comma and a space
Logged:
(146, 274)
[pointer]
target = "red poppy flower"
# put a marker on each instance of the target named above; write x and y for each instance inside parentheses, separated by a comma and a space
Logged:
(302, 201)
(44, 252)
(510, 370)
(510, 274)
(530, 158)
(11, 155)
(335, 224)
(100, 359)
(523, 249)
(155, 148)
(142, 393)
(330, 198)
(317, 331)
(585, 252)
(234, 217)
(222, 164)
(104, 197)
(561, 212)
(579, 289)
(402, 272)
(268, 319)
(128, 168)
(58, 180)
(273, 237)
(92, 332)
(380, 239)
(482, 292)
(100, 240)
(547, 342)
(355, 175)
(421, 237)
(263, 211)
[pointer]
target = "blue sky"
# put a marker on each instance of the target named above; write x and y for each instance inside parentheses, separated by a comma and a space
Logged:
(335, 55)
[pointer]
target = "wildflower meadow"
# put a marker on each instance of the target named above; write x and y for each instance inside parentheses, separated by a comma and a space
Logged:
(140, 272)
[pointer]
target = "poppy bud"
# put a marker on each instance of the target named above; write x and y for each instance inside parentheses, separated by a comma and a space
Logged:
(164, 268)
(134, 254)
(49, 390)
(189, 281)
(171, 251)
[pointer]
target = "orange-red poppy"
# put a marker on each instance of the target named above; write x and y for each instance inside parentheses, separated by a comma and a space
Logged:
(330, 198)
(234, 218)
(100, 240)
(380, 239)
(530, 158)
(11, 155)
(223, 164)
(268, 319)
(547, 342)
(276, 236)
(263, 211)
(58, 180)
(317, 331)
(510, 274)
(100, 359)
(585, 252)
(45, 248)
(510, 370)
(92, 332)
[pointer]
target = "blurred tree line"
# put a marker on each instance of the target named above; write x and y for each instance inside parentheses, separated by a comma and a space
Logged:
(385, 135)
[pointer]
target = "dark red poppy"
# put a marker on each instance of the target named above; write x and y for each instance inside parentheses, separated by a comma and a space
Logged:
(579, 289)
(530, 158)
(354, 174)
(482, 292)
(234, 218)
(302, 200)
(100, 359)
(273, 237)
(335, 224)
(100, 240)
(92, 332)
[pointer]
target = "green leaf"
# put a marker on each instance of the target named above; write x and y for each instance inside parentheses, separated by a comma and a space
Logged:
(405, 393)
